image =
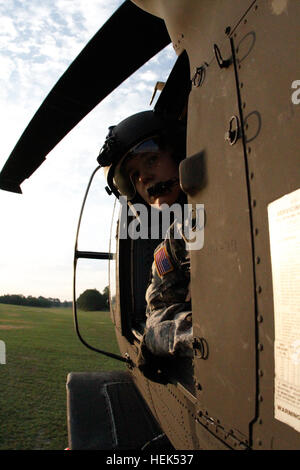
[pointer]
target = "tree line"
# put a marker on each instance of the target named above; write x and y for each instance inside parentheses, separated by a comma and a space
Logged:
(89, 300)
(30, 301)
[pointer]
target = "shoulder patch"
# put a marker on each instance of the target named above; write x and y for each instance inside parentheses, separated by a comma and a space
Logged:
(162, 261)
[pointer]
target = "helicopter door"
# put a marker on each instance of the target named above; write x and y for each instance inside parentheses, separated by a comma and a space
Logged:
(222, 283)
(271, 115)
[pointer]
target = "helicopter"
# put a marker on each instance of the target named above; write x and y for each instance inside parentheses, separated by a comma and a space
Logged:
(236, 82)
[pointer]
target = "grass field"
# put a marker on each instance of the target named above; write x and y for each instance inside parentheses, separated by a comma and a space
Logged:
(41, 349)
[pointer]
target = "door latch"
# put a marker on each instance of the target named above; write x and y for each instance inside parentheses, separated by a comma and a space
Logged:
(232, 135)
(200, 348)
(222, 63)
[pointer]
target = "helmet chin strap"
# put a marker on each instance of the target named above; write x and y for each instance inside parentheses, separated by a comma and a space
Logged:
(162, 187)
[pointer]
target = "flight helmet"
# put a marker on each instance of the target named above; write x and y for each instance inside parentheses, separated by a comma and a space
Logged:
(146, 131)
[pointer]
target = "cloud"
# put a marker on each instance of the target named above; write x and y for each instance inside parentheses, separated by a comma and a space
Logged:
(148, 76)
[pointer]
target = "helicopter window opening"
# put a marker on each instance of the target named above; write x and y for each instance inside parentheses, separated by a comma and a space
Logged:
(136, 257)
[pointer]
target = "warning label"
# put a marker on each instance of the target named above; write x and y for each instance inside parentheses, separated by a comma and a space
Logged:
(284, 228)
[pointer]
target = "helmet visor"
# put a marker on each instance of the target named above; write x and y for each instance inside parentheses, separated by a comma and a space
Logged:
(147, 146)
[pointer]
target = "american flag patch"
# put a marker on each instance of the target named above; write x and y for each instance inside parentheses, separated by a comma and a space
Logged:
(162, 261)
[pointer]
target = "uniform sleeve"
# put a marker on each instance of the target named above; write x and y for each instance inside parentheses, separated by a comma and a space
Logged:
(168, 329)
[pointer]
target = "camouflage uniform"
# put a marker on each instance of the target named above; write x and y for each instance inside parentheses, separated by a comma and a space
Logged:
(168, 329)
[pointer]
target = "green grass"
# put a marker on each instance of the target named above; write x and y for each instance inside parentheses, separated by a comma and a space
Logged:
(41, 349)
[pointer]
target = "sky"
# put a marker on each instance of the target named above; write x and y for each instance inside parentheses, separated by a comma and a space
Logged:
(38, 41)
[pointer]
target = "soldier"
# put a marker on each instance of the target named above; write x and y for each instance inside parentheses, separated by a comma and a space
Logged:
(142, 156)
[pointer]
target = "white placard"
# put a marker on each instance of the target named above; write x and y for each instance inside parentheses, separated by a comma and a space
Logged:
(284, 228)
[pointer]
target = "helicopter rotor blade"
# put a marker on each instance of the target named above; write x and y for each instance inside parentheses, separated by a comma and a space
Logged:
(110, 57)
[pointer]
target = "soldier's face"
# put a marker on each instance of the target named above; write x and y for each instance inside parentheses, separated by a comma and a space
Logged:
(148, 169)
